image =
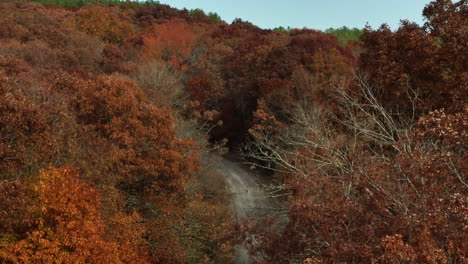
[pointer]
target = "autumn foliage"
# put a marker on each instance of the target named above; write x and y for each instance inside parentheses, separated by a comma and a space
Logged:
(68, 227)
(110, 115)
(90, 163)
(170, 39)
(381, 176)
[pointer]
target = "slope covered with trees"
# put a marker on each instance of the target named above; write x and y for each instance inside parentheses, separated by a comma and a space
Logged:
(110, 114)
(96, 166)
(380, 177)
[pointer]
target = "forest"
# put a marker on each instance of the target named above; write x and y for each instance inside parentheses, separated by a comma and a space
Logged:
(114, 117)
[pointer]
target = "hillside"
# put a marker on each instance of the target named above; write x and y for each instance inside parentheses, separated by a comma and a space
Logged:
(115, 115)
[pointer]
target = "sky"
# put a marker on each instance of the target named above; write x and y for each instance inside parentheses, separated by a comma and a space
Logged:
(315, 14)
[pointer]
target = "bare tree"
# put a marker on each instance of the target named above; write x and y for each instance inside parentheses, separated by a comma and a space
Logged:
(368, 119)
(162, 86)
(310, 142)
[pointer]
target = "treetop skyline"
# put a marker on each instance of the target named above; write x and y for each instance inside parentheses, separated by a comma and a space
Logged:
(311, 14)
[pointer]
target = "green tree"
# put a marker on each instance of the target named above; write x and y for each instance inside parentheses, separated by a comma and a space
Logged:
(200, 14)
(282, 29)
(81, 3)
(345, 34)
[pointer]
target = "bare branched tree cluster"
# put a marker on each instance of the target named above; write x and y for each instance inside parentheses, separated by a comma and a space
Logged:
(323, 141)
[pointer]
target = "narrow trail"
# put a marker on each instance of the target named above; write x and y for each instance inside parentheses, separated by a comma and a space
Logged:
(249, 199)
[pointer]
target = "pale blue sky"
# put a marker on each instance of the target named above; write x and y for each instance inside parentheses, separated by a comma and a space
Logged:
(316, 14)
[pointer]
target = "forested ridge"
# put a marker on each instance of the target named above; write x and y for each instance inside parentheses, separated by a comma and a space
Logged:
(114, 116)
